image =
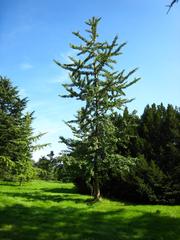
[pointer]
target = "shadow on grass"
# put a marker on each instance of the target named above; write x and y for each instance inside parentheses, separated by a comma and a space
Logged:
(38, 196)
(3, 183)
(60, 190)
(79, 222)
(55, 223)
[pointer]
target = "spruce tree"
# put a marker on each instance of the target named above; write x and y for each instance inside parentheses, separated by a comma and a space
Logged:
(95, 82)
(16, 134)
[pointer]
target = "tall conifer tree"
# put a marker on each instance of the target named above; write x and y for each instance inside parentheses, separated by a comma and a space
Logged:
(95, 82)
(16, 134)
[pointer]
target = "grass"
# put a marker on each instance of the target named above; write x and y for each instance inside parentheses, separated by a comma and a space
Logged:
(51, 211)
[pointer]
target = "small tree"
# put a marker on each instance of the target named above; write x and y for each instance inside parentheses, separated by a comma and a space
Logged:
(95, 82)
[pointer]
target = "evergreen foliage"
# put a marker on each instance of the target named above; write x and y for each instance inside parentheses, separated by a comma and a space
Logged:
(154, 139)
(160, 131)
(153, 142)
(16, 134)
(47, 166)
(95, 82)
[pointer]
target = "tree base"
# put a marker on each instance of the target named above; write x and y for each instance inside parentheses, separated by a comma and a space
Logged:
(94, 200)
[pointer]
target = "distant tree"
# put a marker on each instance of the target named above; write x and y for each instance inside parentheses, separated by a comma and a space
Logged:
(51, 156)
(95, 82)
(67, 168)
(16, 134)
(47, 166)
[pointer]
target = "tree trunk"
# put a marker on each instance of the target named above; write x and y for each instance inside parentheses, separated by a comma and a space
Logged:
(20, 182)
(96, 189)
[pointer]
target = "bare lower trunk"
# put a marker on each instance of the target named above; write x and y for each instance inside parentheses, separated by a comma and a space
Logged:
(96, 190)
(20, 182)
(90, 187)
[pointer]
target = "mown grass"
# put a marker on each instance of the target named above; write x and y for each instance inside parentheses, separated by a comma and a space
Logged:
(51, 211)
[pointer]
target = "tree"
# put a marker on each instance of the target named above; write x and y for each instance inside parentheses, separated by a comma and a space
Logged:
(47, 166)
(128, 141)
(155, 140)
(95, 82)
(16, 134)
(160, 131)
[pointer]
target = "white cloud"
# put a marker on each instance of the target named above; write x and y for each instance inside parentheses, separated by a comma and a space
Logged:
(63, 77)
(25, 66)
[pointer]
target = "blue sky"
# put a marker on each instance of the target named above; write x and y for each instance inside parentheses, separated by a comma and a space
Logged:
(34, 32)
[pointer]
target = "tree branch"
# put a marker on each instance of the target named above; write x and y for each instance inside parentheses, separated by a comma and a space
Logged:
(171, 5)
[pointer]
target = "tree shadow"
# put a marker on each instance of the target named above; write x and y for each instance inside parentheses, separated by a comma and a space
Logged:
(60, 190)
(38, 196)
(56, 223)
(8, 183)
(75, 222)
(49, 194)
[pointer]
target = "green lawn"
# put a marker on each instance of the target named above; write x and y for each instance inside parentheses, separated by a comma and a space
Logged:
(51, 211)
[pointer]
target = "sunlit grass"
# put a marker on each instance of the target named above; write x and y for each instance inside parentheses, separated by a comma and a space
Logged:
(51, 211)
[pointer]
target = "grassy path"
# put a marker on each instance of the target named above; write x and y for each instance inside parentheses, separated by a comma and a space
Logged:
(52, 211)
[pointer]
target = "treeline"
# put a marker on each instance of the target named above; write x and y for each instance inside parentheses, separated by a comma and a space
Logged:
(154, 140)
(144, 165)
